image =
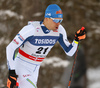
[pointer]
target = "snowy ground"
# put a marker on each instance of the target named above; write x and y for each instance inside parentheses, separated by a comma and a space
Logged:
(55, 62)
(9, 13)
(93, 74)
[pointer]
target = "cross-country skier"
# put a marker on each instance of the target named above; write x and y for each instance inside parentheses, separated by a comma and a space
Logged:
(34, 41)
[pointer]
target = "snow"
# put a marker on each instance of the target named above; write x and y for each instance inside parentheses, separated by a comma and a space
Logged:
(69, 4)
(4, 41)
(10, 14)
(55, 62)
(37, 14)
(3, 67)
(97, 31)
(93, 76)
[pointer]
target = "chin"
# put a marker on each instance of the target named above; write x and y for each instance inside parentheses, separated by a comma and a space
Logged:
(54, 29)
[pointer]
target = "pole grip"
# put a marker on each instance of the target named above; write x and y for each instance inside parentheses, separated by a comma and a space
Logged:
(17, 84)
(82, 28)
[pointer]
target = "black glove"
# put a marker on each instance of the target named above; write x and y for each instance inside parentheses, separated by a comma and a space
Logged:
(80, 34)
(12, 79)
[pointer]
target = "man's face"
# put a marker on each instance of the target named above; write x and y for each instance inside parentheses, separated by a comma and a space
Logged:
(53, 23)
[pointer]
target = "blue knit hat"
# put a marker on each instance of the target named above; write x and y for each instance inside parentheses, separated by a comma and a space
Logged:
(53, 11)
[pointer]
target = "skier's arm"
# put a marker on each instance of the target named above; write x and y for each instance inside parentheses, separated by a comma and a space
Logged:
(68, 47)
(19, 40)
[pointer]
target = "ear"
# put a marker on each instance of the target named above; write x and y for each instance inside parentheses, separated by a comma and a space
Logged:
(46, 19)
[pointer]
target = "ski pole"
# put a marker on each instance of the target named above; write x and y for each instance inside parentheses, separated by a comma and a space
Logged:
(73, 67)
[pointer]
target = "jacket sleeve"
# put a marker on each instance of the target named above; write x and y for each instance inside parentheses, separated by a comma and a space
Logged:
(19, 40)
(69, 48)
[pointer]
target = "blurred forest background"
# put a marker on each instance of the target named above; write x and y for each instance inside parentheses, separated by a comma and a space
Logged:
(14, 14)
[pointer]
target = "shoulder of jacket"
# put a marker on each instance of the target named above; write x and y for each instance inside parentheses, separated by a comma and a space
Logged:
(61, 28)
(34, 23)
(31, 25)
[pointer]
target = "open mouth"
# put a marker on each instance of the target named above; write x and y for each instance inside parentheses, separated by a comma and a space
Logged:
(56, 27)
